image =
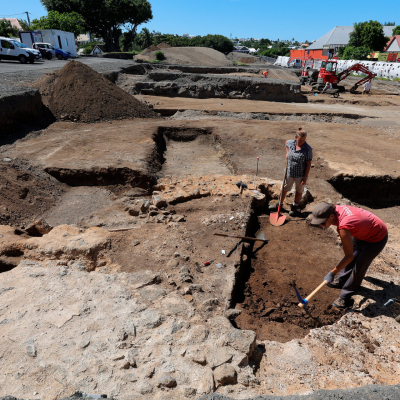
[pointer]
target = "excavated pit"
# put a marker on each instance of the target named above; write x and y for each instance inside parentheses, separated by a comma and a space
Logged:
(103, 177)
(264, 291)
(372, 191)
(202, 86)
(190, 151)
(340, 118)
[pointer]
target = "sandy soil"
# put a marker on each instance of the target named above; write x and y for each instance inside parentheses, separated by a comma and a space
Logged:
(189, 55)
(245, 58)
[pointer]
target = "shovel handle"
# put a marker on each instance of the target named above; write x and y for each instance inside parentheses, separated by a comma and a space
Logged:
(240, 237)
(312, 294)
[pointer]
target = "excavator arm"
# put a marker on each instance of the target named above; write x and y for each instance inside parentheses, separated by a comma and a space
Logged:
(358, 68)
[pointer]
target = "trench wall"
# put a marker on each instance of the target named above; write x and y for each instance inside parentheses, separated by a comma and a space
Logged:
(21, 105)
(202, 86)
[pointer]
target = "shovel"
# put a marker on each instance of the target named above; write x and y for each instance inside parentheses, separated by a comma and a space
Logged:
(277, 219)
(260, 237)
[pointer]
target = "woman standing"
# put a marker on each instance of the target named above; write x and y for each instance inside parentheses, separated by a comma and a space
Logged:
(299, 155)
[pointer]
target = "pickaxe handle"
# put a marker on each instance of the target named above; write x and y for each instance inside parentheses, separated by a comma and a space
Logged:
(241, 237)
(312, 294)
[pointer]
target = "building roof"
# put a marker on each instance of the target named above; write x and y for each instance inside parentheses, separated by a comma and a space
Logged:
(102, 47)
(14, 22)
(393, 44)
(340, 35)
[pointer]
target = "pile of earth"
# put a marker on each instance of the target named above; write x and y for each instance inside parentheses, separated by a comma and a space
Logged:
(245, 58)
(78, 93)
(187, 55)
(151, 48)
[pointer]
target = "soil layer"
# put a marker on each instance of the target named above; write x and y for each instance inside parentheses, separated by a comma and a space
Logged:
(296, 252)
(26, 192)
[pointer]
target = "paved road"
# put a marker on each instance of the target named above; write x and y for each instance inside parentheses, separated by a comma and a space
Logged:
(16, 66)
(14, 76)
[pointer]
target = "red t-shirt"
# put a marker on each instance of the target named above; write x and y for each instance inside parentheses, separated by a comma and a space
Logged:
(361, 223)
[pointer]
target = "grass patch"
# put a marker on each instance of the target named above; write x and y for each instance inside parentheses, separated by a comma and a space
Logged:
(152, 61)
(240, 63)
(128, 55)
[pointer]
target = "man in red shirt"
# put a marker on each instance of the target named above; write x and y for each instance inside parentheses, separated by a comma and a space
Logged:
(357, 227)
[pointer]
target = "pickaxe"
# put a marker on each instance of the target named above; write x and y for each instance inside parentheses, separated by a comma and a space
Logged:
(241, 186)
(304, 304)
(260, 237)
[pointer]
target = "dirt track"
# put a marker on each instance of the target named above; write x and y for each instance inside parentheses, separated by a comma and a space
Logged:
(173, 181)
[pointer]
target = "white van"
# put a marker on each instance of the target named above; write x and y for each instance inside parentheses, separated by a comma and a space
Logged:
(295, 63)
(12, 49)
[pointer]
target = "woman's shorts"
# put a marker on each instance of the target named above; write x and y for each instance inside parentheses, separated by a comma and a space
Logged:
(289, 184)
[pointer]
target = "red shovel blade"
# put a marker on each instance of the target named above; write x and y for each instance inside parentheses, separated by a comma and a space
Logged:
(277, 219)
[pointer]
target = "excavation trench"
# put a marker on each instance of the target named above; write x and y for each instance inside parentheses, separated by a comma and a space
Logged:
(372, 191)
(264, 292)
(343, 118)
(190, 151)
(103, 177)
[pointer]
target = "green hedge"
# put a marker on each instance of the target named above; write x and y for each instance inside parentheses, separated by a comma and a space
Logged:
(125, 56)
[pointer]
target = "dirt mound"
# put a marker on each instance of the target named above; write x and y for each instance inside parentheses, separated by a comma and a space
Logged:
(245, 58)
(153, 48)
(188, 55)
(163, 46)
(79, 93)
(150, 49)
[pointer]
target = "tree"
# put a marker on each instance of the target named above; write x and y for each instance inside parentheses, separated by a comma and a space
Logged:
(25, 25)
(7, 30)
(355, 36)
(389, 23)
(356, 53)
(216, 42)
(68, 22)
(144, 39)
(142, 16)
(106, 18)
(264, 42)
(372, 36)
(396, 31)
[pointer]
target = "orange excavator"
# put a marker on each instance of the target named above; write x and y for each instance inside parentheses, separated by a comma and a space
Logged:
(327, 73)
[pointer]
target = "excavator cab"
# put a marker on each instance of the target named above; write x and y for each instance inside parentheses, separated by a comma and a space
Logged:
(327, 73)
(330, 66)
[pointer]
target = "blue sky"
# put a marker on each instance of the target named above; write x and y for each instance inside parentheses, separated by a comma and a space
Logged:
(302, 20)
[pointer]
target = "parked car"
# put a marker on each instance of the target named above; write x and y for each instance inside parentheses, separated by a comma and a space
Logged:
(295, 63)
(55, 50)
(11, 49)
(44, 52)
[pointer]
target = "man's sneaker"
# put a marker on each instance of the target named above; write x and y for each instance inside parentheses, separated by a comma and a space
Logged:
(274, 207)
(293, 211)
(336, 284)
(342, 303)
